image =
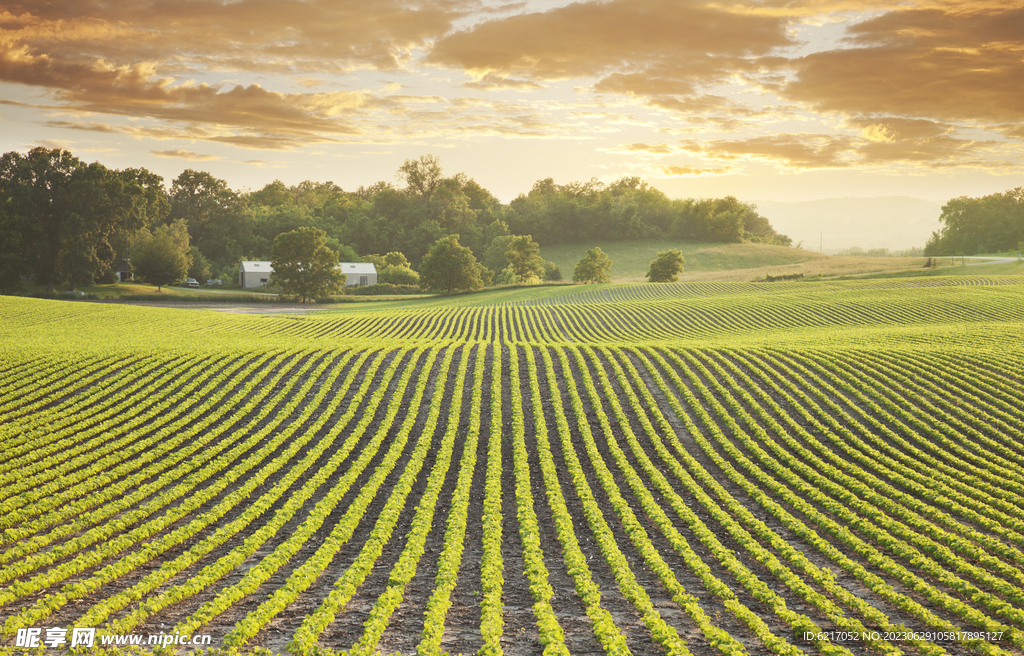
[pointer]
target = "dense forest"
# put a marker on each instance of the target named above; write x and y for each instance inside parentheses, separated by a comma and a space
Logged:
(64, 222)
(991, 224)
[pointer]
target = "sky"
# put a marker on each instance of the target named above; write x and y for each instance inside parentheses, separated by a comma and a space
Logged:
(778, 100)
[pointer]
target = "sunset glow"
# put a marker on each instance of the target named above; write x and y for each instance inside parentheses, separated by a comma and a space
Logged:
(778, 100)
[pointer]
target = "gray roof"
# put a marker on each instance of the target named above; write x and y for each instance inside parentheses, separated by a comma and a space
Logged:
(349, 268)
(357, 268)
(256, 267)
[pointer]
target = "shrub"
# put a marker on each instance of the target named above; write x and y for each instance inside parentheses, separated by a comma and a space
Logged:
(595, 266)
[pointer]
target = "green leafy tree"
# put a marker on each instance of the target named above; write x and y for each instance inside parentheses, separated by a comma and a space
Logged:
(199, 266)
(494, 255)
(219, 219)
(303, 264)
(451, 267)
(524, 261)
(595, 266)
(162, 256)
(395, 269)
(398, 275)
(396, 259)
(345, 252)
(667, 266)
(71, 217)
(12, 262)
(376, 260)
(422, 177)
(991, 224)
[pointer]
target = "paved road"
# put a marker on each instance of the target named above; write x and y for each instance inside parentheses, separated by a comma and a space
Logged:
(207, 290)
(983, 259)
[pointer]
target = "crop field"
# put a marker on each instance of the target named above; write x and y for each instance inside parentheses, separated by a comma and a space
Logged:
(691, 468)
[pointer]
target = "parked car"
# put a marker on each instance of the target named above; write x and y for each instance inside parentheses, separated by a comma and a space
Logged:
(191, 283)
(214, 281)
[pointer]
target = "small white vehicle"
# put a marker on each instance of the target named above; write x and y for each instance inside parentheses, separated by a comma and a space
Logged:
(191, 283)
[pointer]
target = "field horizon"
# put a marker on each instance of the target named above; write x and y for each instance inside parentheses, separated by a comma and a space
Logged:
(702, 467)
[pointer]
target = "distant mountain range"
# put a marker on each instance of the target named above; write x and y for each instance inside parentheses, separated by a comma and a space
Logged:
(835, 224)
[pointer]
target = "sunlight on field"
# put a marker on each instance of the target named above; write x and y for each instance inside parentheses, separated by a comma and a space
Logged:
(631, 259)
(691, 468)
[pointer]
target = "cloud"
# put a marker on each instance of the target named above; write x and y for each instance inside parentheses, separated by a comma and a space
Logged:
(183, 154)
(134, 60)
(588, 39)
(492, 82)
(957, 63)
(879, 142)
(263, 164)
(644, 85)
(1013, 131)
(911, 85)
(916, 140)
(52, 144)
(648, 149)
(800, 151)
(250, 116)
(251, 35)
(687, 171)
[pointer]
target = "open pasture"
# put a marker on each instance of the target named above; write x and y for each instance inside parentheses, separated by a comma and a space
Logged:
(698, 468)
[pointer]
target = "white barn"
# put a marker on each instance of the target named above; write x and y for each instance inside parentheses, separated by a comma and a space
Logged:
(253, 274)
(359, 274)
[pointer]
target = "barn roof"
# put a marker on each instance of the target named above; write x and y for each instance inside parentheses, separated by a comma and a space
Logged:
(357, 268)
(349, 268)
(256, 267)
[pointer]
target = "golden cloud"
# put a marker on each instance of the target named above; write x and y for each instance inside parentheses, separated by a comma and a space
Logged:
(649, 149)
(880, 142)
(955, 63)
(491, 82)
(127, 59)
(822, 11)
(906, 81)
(588, 39)
(183, 154)
(251, 115)
(916, 140)
(687, 171)
(253, 35)
(800, 151)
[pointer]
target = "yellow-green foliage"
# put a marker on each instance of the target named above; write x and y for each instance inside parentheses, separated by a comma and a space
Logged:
(705, 467)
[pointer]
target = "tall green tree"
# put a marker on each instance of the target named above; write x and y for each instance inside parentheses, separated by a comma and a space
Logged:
(422, 177)
(667, 266)
(524, 261)
(594, 267)
(163, 255)
(72, 217)
(990, 224)
(198, 265)
(218, 218)
(451, 267)
(304, 266)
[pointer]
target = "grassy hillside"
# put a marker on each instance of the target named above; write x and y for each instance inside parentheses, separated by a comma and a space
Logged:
(630, 259)
(722, 262)
(953, 267)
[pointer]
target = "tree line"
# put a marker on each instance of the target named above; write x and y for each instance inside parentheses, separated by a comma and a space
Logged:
(990, 224)
(65, 222)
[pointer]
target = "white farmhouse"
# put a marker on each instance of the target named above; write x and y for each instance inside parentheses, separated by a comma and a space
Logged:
(359, 273)
(253, 274)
